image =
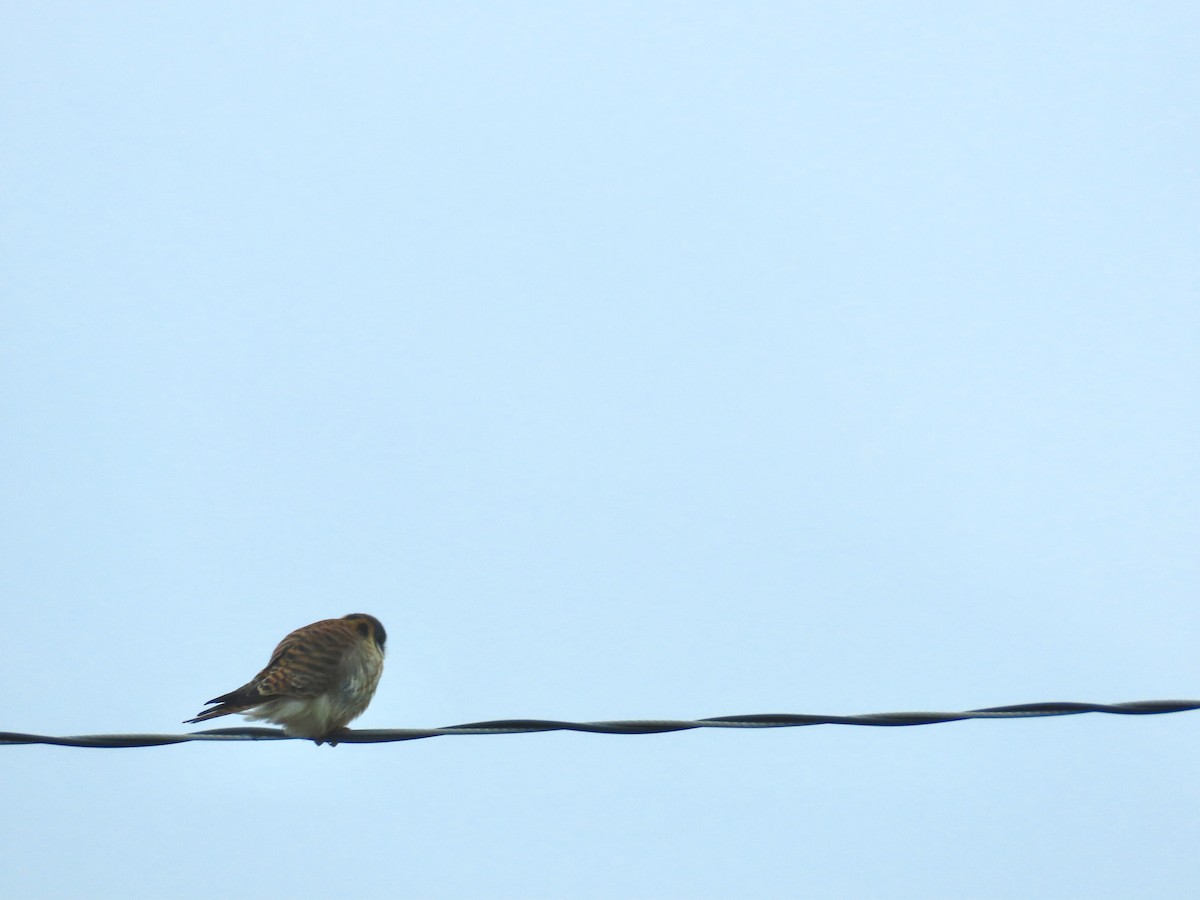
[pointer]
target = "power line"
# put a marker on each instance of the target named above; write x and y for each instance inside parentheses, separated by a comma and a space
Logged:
(652, 726)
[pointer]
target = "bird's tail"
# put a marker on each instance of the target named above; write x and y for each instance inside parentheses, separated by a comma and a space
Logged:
(233, 702)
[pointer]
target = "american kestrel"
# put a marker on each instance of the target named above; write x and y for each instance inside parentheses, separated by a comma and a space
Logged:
(320, 677)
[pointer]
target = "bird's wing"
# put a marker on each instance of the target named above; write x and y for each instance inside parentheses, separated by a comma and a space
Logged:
(308, 661)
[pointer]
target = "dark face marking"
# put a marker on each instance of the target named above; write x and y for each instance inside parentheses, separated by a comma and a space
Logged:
(364, 627)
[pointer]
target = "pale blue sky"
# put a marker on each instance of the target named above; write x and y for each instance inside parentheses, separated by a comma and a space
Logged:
(627, 360)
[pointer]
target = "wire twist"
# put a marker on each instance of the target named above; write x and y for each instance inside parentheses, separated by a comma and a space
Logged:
(650, 726)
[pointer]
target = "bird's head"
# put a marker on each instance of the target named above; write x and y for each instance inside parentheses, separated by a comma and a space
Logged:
(369, 627)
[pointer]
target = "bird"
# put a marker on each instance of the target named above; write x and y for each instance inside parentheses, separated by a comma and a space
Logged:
(320, 678)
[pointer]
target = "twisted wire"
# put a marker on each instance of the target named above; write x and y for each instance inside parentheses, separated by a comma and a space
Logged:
(650, 726)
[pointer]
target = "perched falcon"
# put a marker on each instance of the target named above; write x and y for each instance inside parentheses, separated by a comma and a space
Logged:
(320, 677)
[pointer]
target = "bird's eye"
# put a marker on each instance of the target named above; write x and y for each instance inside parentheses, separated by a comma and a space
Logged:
(380, 635)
